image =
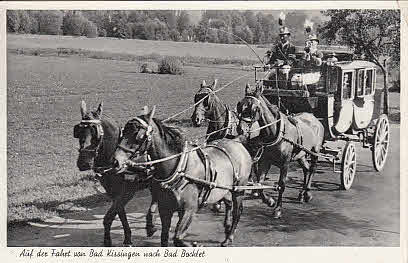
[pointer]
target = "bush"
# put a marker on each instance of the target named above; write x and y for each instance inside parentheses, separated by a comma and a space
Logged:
(102, 32)
(90, 29)
(171, 65)
(396, 85)
(73, 24)
(149, 67)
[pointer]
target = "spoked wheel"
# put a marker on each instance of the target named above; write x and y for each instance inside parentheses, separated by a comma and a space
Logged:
(381, 142)
(349, 165)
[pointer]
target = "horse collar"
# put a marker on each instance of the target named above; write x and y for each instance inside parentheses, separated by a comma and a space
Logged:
(281, 131)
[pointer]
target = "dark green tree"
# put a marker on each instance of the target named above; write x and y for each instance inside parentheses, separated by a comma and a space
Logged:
(373, 33)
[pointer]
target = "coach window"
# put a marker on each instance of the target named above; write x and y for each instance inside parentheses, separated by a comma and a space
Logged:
(360, 83)
(369, 81)
(347, 85)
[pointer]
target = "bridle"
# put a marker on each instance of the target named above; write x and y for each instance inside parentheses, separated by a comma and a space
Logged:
(203, 92)
(97, 124)
(251, 121)
(147, 138)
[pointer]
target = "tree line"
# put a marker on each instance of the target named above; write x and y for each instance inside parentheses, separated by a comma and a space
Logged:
(227, 27)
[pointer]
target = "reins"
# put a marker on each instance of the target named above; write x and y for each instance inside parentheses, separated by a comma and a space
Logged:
(198, 102)
(131, 163)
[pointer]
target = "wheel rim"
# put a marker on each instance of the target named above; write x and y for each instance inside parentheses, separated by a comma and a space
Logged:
(381, 143)
(349, 166)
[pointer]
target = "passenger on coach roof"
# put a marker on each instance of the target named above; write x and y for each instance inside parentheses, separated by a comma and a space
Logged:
(312, 56)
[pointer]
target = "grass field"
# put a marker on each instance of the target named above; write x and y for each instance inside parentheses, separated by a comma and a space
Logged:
(135, 46)
(43, 98)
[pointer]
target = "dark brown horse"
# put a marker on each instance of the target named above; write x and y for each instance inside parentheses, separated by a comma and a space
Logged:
(222, 121)
(185, 179)
(280, 141)
(98, 139)
(218, 114)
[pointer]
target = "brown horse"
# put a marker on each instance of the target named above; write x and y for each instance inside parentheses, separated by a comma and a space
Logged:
(98, 139)
(280, 141)
(218, 114)
(223, 122)
(187, 179)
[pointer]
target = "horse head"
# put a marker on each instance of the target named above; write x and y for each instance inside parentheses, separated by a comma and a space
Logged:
(203, 99)
(90, 133)
(135, 141)
(249, 110)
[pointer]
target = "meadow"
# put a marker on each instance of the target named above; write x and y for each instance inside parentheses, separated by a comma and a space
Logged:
(43, 99)
(135, 46)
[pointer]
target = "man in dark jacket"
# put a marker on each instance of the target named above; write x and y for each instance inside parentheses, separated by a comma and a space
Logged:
(283, 53)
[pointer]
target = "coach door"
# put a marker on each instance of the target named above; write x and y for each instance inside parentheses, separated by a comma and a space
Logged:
(364, 99)
(343, 102)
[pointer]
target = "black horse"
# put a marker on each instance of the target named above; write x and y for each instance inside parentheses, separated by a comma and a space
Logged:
(98, 139)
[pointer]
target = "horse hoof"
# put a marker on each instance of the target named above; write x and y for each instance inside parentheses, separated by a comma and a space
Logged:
(308, 197)
(271, 202)
(226, 243)
(150, 231)
(127, 244)
(277, 214)
(301, 197)
(216, 208)
(195, 244)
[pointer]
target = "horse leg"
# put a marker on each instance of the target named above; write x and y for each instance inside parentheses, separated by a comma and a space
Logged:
(151, 215)
(312, 170)
(277, 213)
(165, 216)
(254, 172)
(186, 217)
(128, 191)
(216, 208)
(237, 209)
(228, 214)
(186, 213)
(107, 223)
(305, 167)
(261, 172)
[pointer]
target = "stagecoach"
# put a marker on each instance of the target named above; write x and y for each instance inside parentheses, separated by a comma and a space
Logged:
(342, 94)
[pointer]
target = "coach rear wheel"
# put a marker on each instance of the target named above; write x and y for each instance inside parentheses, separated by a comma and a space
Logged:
(349, 165)
(381, 142)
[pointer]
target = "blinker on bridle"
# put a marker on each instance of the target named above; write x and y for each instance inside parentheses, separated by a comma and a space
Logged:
(147, 138)
(90, 123)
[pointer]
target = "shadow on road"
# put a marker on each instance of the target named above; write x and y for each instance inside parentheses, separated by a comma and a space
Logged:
(299, 219)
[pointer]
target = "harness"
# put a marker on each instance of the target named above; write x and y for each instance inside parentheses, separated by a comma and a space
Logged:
(298, 145)
(99, 133)
(179, 179)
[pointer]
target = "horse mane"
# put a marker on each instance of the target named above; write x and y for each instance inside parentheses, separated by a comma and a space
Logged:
(173, 136)
(273, 108)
